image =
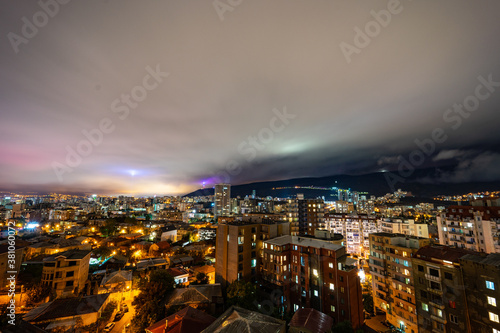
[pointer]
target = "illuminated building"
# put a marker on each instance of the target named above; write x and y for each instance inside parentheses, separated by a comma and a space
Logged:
(238, 246)
(316, 274)
(305, 215)
(66, 272)
(222, 200)
(470, 227)
(392, 277)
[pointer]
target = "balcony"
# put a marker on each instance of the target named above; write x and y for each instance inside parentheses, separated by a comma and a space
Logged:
(432, 278)
(438, 319)
(435, 291)
(437, 304)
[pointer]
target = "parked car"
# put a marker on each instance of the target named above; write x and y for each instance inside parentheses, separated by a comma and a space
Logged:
(119, 315)
(125, 308)
(109, 327)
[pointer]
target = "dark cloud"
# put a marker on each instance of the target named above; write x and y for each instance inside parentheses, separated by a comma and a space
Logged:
(227, 77)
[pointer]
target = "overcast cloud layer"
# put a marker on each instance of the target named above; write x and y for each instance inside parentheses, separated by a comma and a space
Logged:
(226, 76)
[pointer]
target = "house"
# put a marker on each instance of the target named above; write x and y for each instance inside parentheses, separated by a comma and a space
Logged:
(307, 320)
(151, 264)
(68, 311)
(180, 275)
(159, 249)
(181, 260)
(188, 320)
(66, 272)
(117, 281)
(240, 320)
(117, 261)
(169, 232)
(206, 297)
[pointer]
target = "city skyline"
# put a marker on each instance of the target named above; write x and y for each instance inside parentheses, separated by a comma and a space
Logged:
(244, 93)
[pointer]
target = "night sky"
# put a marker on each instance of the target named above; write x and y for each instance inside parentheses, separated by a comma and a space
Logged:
(177, 93)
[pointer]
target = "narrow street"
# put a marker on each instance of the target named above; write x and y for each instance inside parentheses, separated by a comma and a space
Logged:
(127, 317)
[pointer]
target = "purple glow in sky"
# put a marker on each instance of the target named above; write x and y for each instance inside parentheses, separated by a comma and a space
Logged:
(175, 89)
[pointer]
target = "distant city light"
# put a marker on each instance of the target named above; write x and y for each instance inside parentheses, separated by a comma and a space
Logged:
(32, 225)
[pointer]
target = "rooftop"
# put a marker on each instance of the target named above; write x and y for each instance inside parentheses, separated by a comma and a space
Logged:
(442, 252)
(187, 320)
(66, 307)
(492, 259)
(240, 320)
(303, 241)
(312, 319)
(69, 255)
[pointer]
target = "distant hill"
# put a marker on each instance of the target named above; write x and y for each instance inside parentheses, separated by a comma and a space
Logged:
(373, 183)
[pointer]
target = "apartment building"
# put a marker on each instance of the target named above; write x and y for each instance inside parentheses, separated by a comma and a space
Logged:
(470, 227)
(439, 289)
(222, 200)
(405, 227)
(356, 229)
(305, 215)
(238, 246)
(66, 272)
(481, 274)
(392, 277)
(314, 274)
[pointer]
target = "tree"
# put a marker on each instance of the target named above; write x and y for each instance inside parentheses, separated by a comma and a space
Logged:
(109, 229)
(343, 327)
(368, 303)
(150, 303)
(36, 294)
(243, 294)
(201, 278)
(368, 295)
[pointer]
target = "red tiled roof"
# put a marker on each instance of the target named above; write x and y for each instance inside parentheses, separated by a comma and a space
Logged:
(313, 320)
(177, 271)
(188, 320)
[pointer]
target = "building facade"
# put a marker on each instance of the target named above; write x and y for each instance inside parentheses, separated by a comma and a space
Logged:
(238, 246)
(481, 276)
(439, 289)
(405, 227)
(392, 277)
(222, 200)
(305, 215)
(66, 272)
(316, 274)
(470, 227)
(355, 228)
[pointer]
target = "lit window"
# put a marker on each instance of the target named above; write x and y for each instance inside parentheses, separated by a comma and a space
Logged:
(315, 272)
(332, 287)
(492, 301)
(425, 307)
(493, 317)
(332, 308)
(316, 293)
(490, 285)
(330, 265)
(439, 312)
